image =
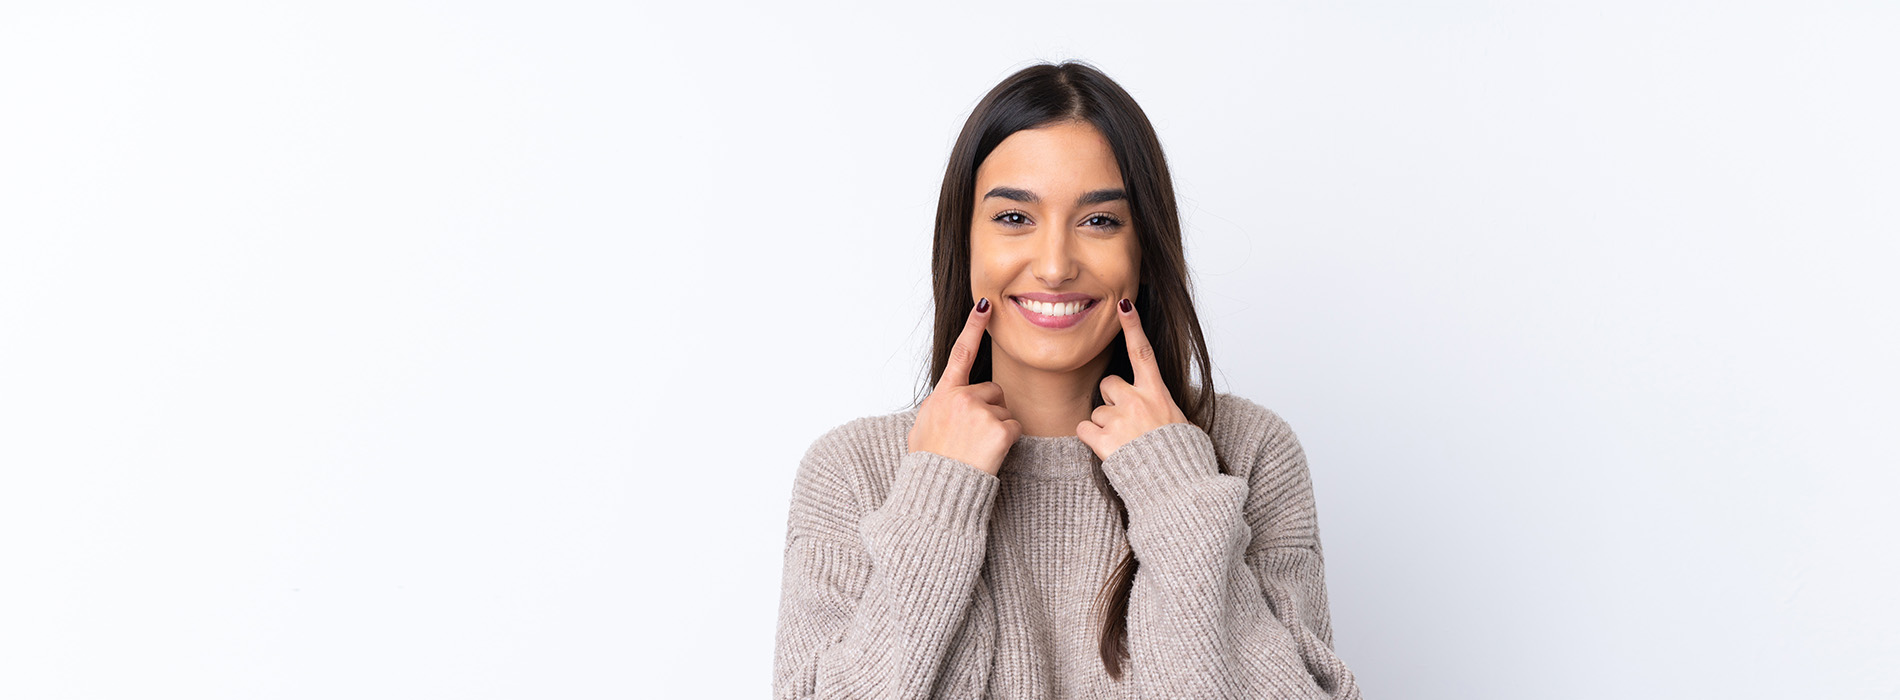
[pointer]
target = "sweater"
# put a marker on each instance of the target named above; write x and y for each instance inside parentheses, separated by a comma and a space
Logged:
(915, 575)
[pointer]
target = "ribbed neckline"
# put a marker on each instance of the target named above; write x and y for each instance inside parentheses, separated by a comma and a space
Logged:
(1042, 457)
(1050, 457)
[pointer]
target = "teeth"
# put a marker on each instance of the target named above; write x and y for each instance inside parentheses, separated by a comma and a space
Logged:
(1047, 309)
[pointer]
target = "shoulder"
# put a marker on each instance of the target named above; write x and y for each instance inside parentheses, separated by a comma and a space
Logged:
(848, 469)
(1261, 446)
(865, 440)
(1245, 432)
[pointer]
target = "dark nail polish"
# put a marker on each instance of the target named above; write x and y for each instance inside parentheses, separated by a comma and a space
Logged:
(1127, 306)
(983, 305)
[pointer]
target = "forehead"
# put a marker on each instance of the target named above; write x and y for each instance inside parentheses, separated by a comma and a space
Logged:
(1052, 160)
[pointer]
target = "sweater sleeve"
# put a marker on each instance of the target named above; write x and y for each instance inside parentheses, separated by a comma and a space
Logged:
(1229, 599)
(869, 604)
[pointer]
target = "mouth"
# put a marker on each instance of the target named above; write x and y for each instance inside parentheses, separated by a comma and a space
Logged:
(1064, 311)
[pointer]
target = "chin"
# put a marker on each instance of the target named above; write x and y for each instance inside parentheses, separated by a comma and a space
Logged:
(1061, 359)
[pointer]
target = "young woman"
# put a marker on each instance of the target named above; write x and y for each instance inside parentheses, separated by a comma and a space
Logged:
(1063, 515)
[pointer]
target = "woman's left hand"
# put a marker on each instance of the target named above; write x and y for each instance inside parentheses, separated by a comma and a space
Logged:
(1129, 410)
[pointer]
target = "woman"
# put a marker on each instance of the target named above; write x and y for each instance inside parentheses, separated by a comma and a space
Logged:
(1049, 521)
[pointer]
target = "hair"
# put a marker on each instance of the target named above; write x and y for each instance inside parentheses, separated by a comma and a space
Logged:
(1044, 95)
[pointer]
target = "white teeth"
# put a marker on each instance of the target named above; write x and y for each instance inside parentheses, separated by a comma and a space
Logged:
(1047, 309)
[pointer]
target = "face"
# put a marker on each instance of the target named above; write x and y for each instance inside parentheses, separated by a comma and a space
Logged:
(1053, 224)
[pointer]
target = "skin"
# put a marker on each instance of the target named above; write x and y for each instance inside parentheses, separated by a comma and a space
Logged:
(1043, 378)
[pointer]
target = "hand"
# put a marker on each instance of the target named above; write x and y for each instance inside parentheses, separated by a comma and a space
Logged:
(962, 421)
(1130, 409)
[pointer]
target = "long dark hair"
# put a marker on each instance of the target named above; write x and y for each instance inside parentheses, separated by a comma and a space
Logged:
(1042, 95)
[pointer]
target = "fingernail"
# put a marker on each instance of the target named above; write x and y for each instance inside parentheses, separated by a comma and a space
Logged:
(1127, 306)
(983, 305)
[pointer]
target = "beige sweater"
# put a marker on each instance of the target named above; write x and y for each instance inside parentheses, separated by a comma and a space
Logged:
(914, 575)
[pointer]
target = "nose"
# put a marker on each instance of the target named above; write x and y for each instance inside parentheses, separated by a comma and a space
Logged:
(1055, 262)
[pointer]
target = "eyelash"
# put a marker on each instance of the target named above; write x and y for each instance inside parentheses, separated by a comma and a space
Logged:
(1112, 221)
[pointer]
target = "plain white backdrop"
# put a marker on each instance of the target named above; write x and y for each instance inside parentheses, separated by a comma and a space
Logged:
(467, 350)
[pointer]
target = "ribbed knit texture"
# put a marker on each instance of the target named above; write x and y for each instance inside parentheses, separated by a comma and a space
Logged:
(914, 575)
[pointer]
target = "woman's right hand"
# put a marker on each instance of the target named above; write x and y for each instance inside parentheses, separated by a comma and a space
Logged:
(963, 421)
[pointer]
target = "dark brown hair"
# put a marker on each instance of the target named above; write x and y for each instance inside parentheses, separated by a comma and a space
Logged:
(1042, 95)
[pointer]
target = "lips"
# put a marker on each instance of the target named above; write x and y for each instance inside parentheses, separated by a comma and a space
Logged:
(1051, 321)
(1054, 298)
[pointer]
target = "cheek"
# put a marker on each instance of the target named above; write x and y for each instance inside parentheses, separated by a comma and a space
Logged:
(980, 279)
(1120, 275)
(985, 270)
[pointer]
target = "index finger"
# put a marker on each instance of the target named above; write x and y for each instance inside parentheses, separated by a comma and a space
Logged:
(963, 352)
(1140, 354)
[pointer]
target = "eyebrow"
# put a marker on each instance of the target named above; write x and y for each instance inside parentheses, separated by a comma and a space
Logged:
(1094, 197)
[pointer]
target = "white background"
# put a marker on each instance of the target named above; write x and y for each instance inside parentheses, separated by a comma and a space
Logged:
(461, 350)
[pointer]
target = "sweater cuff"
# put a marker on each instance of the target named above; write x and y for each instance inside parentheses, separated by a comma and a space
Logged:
(1161, 462)
(943, 493)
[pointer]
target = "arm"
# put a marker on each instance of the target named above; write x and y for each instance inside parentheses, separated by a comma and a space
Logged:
(1229, 600)
(869, 604)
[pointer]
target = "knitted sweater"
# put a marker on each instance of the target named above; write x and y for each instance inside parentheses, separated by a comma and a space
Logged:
(915, 575)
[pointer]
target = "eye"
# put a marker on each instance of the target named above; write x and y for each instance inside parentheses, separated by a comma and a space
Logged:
(1004, 218)
(1107, 221)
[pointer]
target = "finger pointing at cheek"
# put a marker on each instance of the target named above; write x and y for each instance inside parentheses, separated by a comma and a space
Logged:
(1140, 353)
(956, 372)
(1137, 408)
(966, 422)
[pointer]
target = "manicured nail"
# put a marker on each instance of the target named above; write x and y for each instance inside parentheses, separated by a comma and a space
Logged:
(1127, 306)
(983, 305)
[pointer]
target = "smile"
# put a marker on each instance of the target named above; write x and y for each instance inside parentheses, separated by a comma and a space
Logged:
(1053, 315)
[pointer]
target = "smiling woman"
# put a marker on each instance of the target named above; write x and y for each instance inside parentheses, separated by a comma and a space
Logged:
(1064, 514)
(1050, 236)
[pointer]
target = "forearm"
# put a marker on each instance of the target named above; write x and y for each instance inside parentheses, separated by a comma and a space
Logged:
(875, 618)
(1200, 621)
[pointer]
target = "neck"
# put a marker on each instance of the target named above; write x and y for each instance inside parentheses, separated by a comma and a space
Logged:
(1048, 404)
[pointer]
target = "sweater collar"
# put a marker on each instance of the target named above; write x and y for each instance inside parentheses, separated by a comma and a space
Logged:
(1044, 457)
(1055, 456)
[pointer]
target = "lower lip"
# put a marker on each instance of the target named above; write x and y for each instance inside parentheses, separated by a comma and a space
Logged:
(1053, 321)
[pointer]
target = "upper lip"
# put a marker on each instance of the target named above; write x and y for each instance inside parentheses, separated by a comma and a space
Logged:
(1054, 298)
